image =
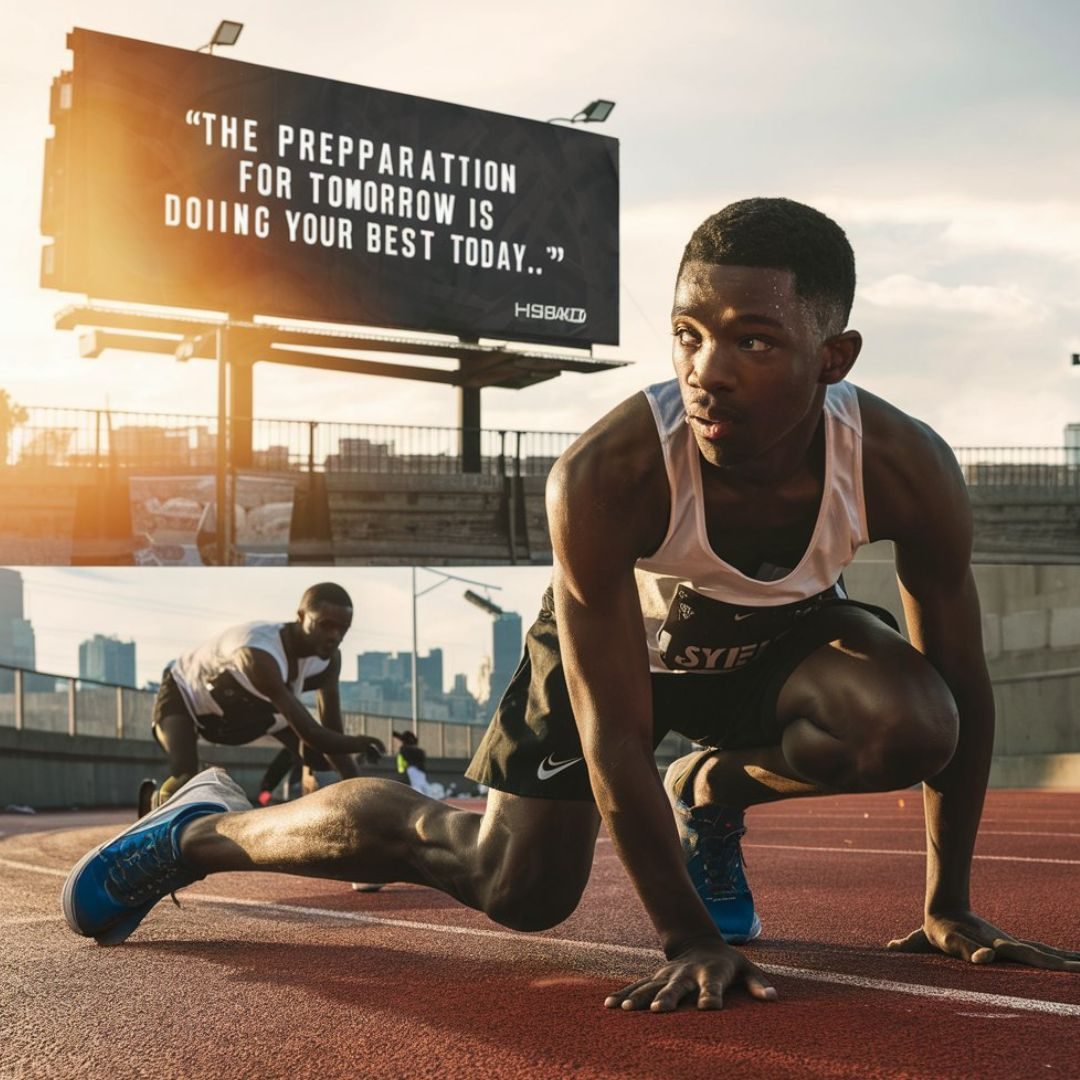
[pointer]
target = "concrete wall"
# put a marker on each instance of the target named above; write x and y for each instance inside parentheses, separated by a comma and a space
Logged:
(49, 770)
(62, 515)
(1031, 636)
(82, 515)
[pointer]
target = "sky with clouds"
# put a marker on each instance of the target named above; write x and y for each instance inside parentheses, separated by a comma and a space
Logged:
(942, 136)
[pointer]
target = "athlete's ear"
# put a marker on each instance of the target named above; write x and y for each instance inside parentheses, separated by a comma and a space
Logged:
(838, 356)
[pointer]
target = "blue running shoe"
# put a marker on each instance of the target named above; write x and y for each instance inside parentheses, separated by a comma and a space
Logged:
(112, 887)
(710, 837)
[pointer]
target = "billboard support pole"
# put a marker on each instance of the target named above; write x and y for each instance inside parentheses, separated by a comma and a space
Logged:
(241, 395)
(224, 511)
(469, 416)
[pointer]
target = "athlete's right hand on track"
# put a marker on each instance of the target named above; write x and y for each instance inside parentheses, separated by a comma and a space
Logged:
(700, 973)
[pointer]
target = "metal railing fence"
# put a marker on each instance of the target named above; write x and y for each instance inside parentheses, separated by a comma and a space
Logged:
(1020, 466)
(36, 701)
(106, 438)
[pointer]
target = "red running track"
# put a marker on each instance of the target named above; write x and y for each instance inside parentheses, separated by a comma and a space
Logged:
(268, 976)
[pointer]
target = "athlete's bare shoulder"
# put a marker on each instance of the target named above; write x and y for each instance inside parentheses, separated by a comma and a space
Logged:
(612, 480)
(914, 488)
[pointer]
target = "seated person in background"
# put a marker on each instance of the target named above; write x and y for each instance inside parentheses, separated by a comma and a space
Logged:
(412, 761)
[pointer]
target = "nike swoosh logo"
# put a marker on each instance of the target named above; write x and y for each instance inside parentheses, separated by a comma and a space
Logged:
(745, 615)
(549, 766)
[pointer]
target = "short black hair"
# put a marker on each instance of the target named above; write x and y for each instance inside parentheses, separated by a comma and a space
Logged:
(326, 592)
(781, 234)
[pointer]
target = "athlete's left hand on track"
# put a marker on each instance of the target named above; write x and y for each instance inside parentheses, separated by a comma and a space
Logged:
(970, 938)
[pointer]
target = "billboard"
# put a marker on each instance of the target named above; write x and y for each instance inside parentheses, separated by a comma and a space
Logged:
(187, 180)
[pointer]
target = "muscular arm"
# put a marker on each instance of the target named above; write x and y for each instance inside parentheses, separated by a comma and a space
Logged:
(608, 505)
(328, 706)
(942, 608)
(264, 674)
(917, 497)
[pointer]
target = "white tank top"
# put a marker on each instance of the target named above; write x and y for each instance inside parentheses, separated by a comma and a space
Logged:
(703, 615)
(195, 671)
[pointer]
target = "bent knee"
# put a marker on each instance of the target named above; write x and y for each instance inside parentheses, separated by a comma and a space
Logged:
(532, 905)
(909, 744)
(532, 890)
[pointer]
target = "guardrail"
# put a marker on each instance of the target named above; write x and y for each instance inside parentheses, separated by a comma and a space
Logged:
(36, 701)
(1020, 466)
(105, 438)
(33, 701)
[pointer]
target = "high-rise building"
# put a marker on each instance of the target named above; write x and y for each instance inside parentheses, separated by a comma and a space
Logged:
(461, 703)
(108, 660)
(372, 665)
(384, 684)
(505, 654)
(17, 645)
(1072, 444)
(429, 670)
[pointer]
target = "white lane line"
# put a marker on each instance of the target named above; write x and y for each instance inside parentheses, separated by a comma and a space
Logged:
(969, 997)
(757, 826)
(895, 851)
(868, 815)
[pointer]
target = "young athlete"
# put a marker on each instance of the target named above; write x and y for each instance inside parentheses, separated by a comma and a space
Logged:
(246, 682)
(699, 532)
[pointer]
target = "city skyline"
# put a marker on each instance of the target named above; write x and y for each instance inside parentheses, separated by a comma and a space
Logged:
(952, 167)
(167, 611)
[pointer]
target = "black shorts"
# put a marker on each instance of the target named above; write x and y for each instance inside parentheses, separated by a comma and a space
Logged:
(226, 730)
(532, 746)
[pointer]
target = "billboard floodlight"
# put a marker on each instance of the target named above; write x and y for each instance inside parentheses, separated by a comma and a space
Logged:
(596, 112)
(227, 33)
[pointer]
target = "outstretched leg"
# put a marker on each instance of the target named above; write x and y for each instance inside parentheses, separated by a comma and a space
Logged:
(524, 861)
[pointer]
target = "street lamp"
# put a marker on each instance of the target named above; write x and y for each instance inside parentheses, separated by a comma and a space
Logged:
(416, 596)
(596, 112)
(227, 33)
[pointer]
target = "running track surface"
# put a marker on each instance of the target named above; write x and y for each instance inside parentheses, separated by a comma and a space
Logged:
(268, 976)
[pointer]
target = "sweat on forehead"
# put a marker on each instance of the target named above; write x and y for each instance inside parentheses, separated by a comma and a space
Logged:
(713, 294)
(780, 234)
